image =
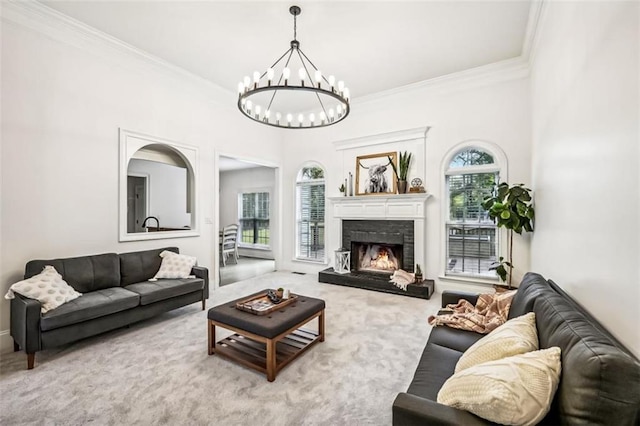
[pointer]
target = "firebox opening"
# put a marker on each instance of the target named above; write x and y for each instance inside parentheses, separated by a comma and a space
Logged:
(381, 258)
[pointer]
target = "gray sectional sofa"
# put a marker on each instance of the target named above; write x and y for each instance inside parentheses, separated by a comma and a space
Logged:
(600, 378)
(115, 293)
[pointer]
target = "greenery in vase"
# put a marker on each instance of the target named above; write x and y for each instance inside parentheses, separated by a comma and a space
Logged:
(403, 165)
(342, 188)
(510, 208)
(418, 270)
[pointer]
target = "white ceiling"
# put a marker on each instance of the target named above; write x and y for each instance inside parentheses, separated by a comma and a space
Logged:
(372, 45)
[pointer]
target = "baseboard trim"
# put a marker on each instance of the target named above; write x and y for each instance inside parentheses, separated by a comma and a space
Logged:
(6, 342)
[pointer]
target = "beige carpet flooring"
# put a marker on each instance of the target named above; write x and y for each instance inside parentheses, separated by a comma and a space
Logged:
(158, 371)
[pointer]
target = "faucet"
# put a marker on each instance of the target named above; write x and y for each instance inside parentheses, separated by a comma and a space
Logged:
(151, 217)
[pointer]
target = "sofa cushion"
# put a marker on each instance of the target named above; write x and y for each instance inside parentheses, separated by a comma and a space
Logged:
(91, 305)
(154, 291)
(47, 287)
(516, 390)
(453, 338)
(435, 367)
(175, 265)
(597, 375)
(139, 266)
(530, 286)
(514, 337)
(85, 274)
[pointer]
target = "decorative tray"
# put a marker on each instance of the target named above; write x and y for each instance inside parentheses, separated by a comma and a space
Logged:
(261, 305)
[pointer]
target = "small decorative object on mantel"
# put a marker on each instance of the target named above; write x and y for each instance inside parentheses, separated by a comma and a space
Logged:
(416, 185)
(343, 189)
(350, 184)
(418, 274)
(342, 261)
(402, 170)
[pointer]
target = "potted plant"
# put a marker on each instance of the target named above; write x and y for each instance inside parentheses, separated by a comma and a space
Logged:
(418, 274)
(280, 292)
(343, 189)
(511, 208)
(401, 171)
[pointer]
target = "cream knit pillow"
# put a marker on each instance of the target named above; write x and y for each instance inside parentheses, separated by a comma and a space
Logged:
(516, 390)
(516, 336)
(175, 265)
(47, 287)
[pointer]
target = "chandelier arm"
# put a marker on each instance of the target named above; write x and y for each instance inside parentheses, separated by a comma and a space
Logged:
(301, 54)
(313, 65)
(279, 59)
(290, 52)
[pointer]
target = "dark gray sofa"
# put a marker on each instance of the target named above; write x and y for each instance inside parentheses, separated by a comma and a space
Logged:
(600, 378)
(115, 293)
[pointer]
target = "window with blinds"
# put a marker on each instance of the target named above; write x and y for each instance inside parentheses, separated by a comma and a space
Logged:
(310, 214)
(254, 219)
(472, 237)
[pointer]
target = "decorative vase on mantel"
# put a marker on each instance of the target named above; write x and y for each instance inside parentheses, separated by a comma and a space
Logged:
(402, 186)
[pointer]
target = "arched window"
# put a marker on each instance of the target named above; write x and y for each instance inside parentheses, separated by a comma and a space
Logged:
(310, 214)
(472, 244)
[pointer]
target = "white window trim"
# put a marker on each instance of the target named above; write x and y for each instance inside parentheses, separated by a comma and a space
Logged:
(296, 254)
(265, 247)
(501, 166)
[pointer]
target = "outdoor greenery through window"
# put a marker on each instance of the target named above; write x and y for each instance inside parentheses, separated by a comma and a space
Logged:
(254, 218)
(310, 214)
(472, 243)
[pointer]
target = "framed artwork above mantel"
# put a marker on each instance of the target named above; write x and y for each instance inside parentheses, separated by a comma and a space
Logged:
(374, 174)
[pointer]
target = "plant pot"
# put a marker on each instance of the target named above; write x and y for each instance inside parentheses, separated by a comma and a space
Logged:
(279, 293)
(402, 187)
(418, 278)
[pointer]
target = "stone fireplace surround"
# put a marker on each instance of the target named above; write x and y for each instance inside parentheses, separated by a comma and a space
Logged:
(401, 217)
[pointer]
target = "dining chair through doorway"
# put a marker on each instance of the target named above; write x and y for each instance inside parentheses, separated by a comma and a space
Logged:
(229, 243)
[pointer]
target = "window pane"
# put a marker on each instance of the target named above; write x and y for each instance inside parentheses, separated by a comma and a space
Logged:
(471, 249)
(310, 214)
(311, 173)
(471, 157)
(254, 220)
(466, 193)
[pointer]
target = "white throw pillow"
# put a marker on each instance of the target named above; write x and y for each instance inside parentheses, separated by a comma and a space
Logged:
(47, 287)
(516, 390)
(175, 265)
(516, 336)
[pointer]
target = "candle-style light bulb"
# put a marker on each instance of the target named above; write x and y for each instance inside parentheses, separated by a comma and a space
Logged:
(339, 110)
(240, 88)
(258, 109)
(247, 81)
(318, 77)
(346, 93)
(278, 117)
(340, 86)
(301, 74)
(267, 114)
(300, 119)
(286, 73)
(289, 119)
(331, 115)
(323, 117)
(270, 73)
(312, 119)
(332, 82)
(256, 77)
(249, 105)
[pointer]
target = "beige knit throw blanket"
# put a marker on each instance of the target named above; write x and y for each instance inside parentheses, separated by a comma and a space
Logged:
(490, 312)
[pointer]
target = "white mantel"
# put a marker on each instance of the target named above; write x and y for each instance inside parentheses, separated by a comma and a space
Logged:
(386, 207)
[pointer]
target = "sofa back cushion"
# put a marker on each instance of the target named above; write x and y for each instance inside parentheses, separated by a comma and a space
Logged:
(84, 274)
(599, 384)
(139, 266)
(529, 288)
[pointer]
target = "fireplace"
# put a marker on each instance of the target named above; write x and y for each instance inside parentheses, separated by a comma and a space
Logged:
(379, 246)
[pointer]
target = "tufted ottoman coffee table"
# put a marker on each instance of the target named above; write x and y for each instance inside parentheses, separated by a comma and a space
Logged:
(266, 343)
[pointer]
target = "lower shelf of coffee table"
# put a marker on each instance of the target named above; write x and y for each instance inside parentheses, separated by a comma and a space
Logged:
(253, 354)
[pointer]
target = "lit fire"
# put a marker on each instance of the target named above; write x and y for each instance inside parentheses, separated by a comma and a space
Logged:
(383, 262)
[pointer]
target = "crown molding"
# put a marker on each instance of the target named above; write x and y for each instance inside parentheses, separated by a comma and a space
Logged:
(49, 22)
(382, 138)
(537, 16)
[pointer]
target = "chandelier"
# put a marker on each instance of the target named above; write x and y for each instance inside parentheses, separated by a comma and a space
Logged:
(271, 97)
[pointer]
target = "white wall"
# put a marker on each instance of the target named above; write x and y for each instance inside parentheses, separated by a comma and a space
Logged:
(61, 109)
(257, 179)
(487, 110)
(585, 97)
(167, 192)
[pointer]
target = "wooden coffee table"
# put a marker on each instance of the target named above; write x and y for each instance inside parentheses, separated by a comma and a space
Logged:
(266, 343)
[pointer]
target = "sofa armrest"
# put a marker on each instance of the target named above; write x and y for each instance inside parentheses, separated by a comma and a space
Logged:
(410, 409)
(202, 272)
(25, 323)
(451, 297)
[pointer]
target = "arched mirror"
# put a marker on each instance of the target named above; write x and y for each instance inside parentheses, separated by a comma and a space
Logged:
(158, 181)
